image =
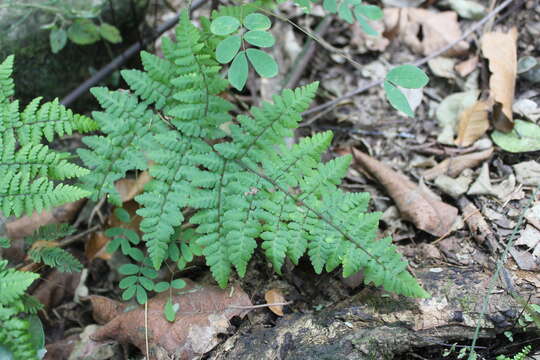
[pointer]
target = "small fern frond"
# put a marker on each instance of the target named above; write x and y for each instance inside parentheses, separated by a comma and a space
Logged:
(50, 232)
(7, 87)
(36, 160)
(167, 194)
(29, 168)
(15, 335)
(48, 120)
(55, 257)
(13, 283)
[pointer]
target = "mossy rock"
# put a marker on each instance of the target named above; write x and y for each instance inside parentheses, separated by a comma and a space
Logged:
(39, 72)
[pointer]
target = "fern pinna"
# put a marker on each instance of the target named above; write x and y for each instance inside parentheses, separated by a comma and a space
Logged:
(28, 168)
(237, 174)
(14, 330)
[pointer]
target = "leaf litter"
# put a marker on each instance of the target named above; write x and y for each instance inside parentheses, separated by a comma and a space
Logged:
(415, 204)
(204, 313)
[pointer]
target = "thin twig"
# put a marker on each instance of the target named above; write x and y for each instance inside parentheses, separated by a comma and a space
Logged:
(306, 55)
(259, 306)
(420, 62)
(72, 239)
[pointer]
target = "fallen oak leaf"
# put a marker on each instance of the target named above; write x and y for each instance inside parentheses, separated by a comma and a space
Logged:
(204, 312)
(415, 204)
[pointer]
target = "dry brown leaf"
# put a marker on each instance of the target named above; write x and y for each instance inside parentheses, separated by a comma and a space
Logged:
(61, 349)
(466, 67)
(204, 312)
(473, 123)
(129, 188)
(95, 247)
(415, 204)
(364, 42)
(454, 166)
(26, 225)
(273, 296)
(501, 51)
(55, 287)
(438, 29)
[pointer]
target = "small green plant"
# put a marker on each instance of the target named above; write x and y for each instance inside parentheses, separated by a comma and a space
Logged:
(237, 174)
(139, 275)
(236, 28)
(80, 24)
(522, 355)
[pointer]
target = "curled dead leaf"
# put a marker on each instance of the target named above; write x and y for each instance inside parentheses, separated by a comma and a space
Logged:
(415, 204)
(473, 123)
(95, 246)
(455, 165)
(204, 312)
(273, 296)
(501, 51)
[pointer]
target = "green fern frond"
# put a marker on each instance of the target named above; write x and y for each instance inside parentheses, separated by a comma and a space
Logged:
(127, 123)
(13, 283)
(48, 120)
(15, 335)
(55, 257)
(7, 87)
(4, 242)
(20, 195)
(37, 161)
(50, 232)
(28, 167)
(244, 183)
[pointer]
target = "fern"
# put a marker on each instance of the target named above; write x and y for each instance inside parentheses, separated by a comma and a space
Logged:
(522, 355)
(14, 332)
(237, 174)
(29, 169)
(55, 257)
(31, 176)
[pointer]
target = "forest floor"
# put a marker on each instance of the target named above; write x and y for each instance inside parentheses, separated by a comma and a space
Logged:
(454, 198)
